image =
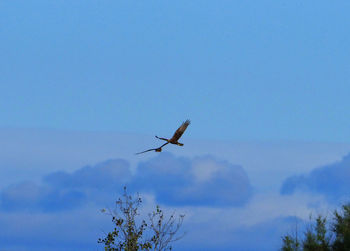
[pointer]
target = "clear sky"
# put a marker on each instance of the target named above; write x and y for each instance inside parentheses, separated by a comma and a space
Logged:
(86, 84)
(238, 69)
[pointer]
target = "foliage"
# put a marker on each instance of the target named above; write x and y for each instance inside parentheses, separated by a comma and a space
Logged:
(316, 238)
(341, 228)
(157, 233)
(290, 243)
(322, 235)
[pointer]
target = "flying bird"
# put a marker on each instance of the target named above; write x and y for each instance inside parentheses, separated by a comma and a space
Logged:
(174, 140)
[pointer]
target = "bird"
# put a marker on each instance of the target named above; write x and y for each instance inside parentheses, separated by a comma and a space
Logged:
(173, 140)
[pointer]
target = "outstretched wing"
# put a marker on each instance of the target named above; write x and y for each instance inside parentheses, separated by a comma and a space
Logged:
(154, 149)
(180, 130)
(147, 151)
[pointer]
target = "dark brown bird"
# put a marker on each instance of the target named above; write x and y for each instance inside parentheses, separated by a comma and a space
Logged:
(174, 140)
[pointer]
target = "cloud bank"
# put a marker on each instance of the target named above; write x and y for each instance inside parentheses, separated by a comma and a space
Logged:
(331, 181)
(60, 209)
(202, 181)
(61, 191)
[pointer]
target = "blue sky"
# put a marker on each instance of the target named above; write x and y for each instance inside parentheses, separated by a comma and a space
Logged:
(86, 84)
(239, 70)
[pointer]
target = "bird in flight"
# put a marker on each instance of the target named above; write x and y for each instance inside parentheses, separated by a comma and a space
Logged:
(173, 140)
